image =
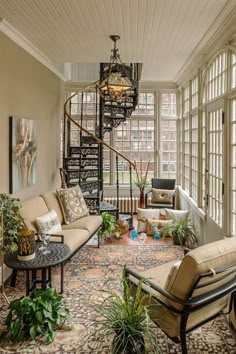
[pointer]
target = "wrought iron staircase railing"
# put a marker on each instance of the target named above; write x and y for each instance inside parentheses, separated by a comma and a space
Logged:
(83, 163)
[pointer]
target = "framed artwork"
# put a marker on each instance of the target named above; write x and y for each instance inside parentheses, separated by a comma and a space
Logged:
(22, 153)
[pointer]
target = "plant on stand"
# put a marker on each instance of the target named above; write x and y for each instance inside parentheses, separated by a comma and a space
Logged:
(141, 181)
(126, 317)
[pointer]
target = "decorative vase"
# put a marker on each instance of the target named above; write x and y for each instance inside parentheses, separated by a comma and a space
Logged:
(26, 245)
(141, 199)
(136, 346)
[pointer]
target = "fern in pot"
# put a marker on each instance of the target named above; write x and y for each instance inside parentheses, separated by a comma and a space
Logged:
(126, 317)
(182, 231)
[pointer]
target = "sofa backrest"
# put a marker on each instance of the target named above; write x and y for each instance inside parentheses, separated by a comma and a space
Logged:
(52, 202)
(209, 257)
(32, 208)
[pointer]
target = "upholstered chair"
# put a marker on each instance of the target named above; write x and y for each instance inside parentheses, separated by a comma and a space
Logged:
(162, 194)
(187, 293)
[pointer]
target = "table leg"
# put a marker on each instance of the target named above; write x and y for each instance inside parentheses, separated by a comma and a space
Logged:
(27, 282)
(13, 278)
(62, 277)
(44, 278)
(49, 277)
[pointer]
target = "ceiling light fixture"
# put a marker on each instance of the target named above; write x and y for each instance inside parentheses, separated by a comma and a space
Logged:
(116, 83)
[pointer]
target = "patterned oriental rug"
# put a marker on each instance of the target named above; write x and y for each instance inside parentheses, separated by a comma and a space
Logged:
(85, 274)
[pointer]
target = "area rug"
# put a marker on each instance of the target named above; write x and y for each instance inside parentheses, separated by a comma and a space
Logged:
(92, 269)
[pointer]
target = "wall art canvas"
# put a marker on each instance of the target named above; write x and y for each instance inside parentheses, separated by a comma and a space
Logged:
(22, 153)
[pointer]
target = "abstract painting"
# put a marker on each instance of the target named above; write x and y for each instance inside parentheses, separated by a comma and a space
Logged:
(22, 153)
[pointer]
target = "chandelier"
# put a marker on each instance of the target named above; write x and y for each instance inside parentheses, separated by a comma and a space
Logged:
(116, 83)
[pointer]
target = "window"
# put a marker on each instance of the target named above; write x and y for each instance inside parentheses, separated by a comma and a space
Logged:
(233, 71)
(203, 159)
(195, 92)
(169, 154)
(168, 105)
(233, 168)
(194, 159)
(186, 99)
(217, 77)
(135, 139)
(88, 100)
(186, 156)
(215, 158)
(145, 105)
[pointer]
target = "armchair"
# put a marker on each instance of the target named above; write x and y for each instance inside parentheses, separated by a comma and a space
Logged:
(191, 292)
(158, 196)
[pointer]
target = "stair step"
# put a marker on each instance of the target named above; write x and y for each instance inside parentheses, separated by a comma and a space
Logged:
(75, 163)
(89, 186)
(88, 140)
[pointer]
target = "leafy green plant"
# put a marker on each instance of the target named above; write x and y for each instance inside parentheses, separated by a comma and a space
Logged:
(183, 230)
(12, 221)
(38, 314)
(108, 225)
(126, 316)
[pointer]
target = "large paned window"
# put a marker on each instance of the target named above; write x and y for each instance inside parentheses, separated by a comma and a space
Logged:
(215, 161)
(194, 157)
(186, 99)
(87, 100)
(186, 157)
(233, 168)
(168, 127)
(203, 160)
(195, 92)
(217, 77)
(145, 105)
(233, 70)
(135, 139)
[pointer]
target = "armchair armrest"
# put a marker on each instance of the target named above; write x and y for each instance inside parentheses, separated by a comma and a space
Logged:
(146, 196)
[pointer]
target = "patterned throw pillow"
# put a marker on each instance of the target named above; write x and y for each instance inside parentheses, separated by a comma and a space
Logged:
(72, 203)
(49, 223)
(143, 214)
(155, 225)
(164, 196)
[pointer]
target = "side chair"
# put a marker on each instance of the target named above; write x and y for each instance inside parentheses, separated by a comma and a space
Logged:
(162, 194)
(186, 294)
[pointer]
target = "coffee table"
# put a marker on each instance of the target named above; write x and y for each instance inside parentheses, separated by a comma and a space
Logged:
(59, 253)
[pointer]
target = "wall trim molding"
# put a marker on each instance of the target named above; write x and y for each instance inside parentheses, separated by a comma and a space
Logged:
(11, 32)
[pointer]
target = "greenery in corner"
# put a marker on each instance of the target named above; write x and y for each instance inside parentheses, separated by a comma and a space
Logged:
(108, 225)
(38, 314)
(12, 221)
(126, 316)
(184, 230)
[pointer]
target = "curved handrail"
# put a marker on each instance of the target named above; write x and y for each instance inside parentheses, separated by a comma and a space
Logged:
(99, 141)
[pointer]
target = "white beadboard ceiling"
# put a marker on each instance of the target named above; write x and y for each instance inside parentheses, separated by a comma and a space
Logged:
(164, 35)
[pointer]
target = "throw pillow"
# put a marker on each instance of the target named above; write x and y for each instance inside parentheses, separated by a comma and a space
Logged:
(155, 225)
(176, 214)
(163, 196)
(49, 222)
(72, 203)
(143, 214)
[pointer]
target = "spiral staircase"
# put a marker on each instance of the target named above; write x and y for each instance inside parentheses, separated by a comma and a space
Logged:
(83, 159)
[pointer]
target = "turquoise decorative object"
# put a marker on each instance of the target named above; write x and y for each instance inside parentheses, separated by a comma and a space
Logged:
(134, 234)
(156, 235)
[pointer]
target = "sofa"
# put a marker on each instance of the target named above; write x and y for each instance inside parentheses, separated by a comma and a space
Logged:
(76, 233)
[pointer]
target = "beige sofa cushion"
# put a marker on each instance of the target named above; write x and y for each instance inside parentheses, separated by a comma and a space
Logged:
(31, 209)
(73, 238)
(52, 202)
(89, 223)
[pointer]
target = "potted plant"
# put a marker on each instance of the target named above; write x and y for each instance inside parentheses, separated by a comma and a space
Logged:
(38, 314)
(108, 226)
(11, 223)
(182, 231)
(126, 317)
